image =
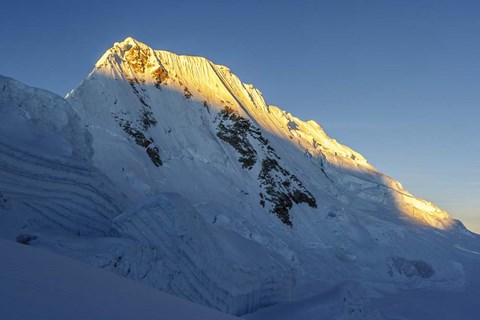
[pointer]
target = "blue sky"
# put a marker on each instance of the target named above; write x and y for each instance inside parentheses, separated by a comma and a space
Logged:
(398, 81)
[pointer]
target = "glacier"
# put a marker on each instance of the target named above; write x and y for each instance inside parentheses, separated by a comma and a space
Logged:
(168, 170)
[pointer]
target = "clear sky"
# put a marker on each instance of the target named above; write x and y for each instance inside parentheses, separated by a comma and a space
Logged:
(396, 80)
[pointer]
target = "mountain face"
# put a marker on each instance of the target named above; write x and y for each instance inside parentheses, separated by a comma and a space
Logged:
(169, 170)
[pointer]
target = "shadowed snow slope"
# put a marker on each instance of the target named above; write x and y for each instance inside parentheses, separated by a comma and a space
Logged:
(180, 176)
(46, 174)
(40, 285)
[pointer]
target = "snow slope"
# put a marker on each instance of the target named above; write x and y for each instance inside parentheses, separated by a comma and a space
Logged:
(47, 180)
(197, 255)
(351, 300)
(170, 171)
(37, 284)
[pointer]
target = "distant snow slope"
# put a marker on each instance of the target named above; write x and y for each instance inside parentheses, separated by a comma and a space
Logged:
(168, 170)
(36, 284)
(353, 300)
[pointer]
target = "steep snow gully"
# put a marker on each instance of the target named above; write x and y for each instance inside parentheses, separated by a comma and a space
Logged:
(168, 170)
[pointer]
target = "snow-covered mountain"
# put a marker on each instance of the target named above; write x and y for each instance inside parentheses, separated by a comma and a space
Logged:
(169, 170)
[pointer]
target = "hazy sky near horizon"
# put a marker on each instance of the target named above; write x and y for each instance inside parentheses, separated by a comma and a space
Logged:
(398, 81)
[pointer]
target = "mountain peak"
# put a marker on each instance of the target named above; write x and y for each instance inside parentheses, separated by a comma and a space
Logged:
(163, 85)
(131, 42)
(119, 52)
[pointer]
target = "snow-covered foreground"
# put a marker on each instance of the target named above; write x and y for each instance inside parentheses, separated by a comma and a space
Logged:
(36, 284)
(352, 300)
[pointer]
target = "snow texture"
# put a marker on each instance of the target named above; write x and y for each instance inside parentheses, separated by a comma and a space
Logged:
(37, 284)
(170, 171)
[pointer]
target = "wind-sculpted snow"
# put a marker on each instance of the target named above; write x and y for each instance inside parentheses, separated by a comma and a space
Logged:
(203, 262)
(45, 173)
(63, 196)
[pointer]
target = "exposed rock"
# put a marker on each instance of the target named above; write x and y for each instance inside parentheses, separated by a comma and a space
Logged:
(25, 238)
(141, 139)
(160, 76)
(234, 130)
(409, 268)
(3, 201)
(283, 189)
